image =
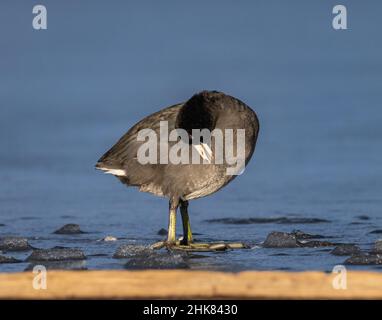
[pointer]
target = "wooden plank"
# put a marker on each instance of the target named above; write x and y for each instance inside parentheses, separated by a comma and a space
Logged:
(190, 284)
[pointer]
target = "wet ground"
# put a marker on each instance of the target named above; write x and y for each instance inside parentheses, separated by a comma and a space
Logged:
(69, 93)
(297, 250)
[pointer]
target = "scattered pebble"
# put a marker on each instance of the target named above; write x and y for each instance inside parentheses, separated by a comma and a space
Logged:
(377, 247)
(5, 259)
(56, 254)
(364, 259)
(280, 240)
(70, 228)
(346, 250)
(129, 250)
(14, 244)
(109, 239)
(162, 232)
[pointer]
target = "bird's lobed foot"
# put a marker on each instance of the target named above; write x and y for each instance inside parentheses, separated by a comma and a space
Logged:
(199, 246)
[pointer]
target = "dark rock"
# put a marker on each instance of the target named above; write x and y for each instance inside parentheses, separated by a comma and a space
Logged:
(280, 220)
(162, 232)
(5, 259)
(302, 220)
(377, 247)
(363, 217)
(70, 228)
(142, 257)
(316, 244)
(280, 240)
(364, 259)
(290, 240)
(56, 254)
(2, 225)
(157, 260)
(377, 231)
(300, 235)
(130, 250)
(346, 250)
(14, 244)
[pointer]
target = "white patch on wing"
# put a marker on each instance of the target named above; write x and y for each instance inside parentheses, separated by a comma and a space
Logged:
(208, 151)
(205, 151)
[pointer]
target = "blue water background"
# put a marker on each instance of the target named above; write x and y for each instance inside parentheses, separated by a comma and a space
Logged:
(69, 92)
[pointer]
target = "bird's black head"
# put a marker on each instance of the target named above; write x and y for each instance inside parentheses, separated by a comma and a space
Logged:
(200, 111)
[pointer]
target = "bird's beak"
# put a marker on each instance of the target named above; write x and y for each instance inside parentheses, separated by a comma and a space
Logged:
(205, 151)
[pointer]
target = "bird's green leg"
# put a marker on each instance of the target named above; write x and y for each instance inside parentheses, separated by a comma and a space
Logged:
(171, 238)
(187, 242)
(187, 233)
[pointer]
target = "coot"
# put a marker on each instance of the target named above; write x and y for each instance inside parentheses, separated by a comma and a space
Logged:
(181, 181)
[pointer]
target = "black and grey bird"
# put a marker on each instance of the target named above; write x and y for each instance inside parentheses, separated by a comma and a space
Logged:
(183, 182)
